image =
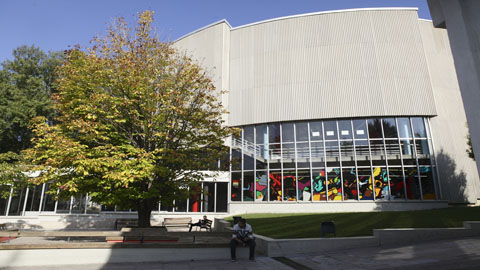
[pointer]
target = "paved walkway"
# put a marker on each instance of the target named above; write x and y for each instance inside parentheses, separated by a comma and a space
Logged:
(446, 254)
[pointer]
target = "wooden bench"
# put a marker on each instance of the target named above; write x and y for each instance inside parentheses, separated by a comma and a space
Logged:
(124, 222)
(177, 222)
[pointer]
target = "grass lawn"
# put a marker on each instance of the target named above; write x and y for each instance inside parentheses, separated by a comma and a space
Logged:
(357, 224)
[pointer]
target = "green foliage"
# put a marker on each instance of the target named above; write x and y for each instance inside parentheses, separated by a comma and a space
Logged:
(137, 123)
(11, 173)
(288, 226)
(26, 84)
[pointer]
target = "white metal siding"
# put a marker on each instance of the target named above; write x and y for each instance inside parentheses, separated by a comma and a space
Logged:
(350, 64)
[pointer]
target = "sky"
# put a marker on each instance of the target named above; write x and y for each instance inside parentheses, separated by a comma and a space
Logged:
(54, 25)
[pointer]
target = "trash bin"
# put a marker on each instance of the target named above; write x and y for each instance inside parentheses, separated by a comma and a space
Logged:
(328, 227)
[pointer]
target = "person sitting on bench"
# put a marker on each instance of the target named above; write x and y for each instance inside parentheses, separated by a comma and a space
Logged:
(242, 234)
(200, 223)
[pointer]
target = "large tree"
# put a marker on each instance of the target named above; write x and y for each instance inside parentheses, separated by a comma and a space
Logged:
(26, 83)
(138, 122)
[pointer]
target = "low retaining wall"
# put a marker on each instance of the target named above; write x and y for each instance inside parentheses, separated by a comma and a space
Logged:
(383, 237)
(52, 257)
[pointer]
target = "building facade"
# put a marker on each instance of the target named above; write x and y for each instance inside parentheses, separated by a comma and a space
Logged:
(351, 110)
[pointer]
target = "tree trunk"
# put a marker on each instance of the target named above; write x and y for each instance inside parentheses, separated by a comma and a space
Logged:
(145, 207)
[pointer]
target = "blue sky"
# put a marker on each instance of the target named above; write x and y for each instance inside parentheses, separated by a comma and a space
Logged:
(56, 24)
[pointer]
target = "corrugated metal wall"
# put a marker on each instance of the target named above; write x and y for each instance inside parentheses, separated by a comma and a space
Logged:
(458, 173)
(210, 47)
(345, 64)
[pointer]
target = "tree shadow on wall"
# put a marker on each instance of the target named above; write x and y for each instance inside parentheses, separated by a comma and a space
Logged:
(453, 184)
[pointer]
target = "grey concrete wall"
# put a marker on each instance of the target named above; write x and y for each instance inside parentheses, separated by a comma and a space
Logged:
(332, 207)
(329, 65)
(458, 173)
(462, 21)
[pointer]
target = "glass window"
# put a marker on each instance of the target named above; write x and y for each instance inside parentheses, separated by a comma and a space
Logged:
(301, 131)
(330, 130)
(381, 183)
(222, 191)
(360, 129)
(303, 155)
(16, 205)
(334, 184)
(261, 134)
(408, 152)
(194, 200)
(318, 158)
(426, 179)
(4, 201)
(419, 127)
(288, 152)
(208, 202)
(275, 186)
(392, 148)
(275, 156)
(374, 128)
(365, 184)
(180, 206)
(287, 132)
(289, 186)
(274, 133)
(261, 162)
(331, 149)
(404, 129)
(350, 184)
(389, 128)
(319, 185)
(346, 149)
(378, 152)
(316, 133)
(345, 129)
(248, 161)
(78, 203)
(236, 160)
(344, 160)
(261, 186)
(361, 150)
(332, 152)
(304, 186)
(411, 181)
(397, 190)
(422, 148)
(236, 186)
(248, 186)
(33, 200)
(261, 150)
(248, 134)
